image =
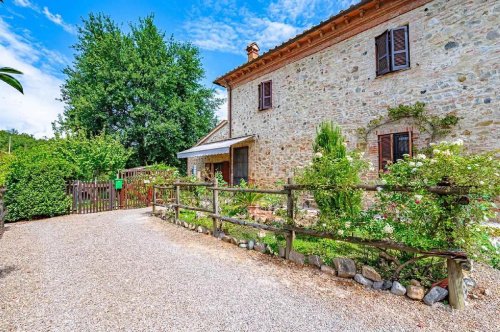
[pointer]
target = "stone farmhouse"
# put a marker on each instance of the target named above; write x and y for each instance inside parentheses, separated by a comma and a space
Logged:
(349, 69)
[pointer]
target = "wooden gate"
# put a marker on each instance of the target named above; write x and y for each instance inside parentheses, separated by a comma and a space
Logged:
(91, 197)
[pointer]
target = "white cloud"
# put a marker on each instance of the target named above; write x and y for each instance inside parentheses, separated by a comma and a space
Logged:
(228, 27)
(34, 111)
(57, 19)
(24, 3)
(54, 18)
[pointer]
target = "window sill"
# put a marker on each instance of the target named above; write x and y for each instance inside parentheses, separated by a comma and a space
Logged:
(391, 73)
(265, 109)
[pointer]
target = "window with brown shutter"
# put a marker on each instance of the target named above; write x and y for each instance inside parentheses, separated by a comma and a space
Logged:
(392, 50)
(265, 95)
(392, 147)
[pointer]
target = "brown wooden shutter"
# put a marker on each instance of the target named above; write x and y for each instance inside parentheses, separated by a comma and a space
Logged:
(260, 96)
(267, 95)
(400, 58)
(384, 151)
(382, 53)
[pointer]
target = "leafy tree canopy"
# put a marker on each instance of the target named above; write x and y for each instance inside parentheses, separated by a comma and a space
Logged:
(140, 86)
(18, 142)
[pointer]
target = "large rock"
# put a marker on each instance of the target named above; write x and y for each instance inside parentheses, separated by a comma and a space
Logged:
(297, 257)
(260, 247)
(363, 281)
(328, 269)
(436, 294)
(398, 289)
(415, 292)
(226, 238)
(243, 245)
(382, 285)
(251, 244)
(370, 273)
(315, 260)
(346, 268)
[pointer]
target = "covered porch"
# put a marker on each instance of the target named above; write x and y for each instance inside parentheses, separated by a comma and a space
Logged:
(230, 157)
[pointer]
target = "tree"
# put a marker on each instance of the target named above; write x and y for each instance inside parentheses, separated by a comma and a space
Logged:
(5, 75)
(139, 86)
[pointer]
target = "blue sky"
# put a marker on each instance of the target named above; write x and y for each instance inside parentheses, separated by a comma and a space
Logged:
(36, 38)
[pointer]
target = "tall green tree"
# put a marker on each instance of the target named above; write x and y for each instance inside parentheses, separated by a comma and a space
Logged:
(139, 86)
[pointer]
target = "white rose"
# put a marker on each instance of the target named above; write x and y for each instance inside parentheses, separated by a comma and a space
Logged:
(418, 197)
(481, 183)
(349, 159)
(414, 170)
(419, 164)
(436, 151)
(433, 161)
(348, 224)
(459, 142)
(388, 229)
(421, 156)
(318, 155)
(340, 232)
(447, 152)
(411, 163)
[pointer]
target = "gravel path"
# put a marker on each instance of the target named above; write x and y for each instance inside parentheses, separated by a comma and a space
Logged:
(124, 270)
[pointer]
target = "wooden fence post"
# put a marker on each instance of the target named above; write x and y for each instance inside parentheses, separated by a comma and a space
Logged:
(177, 200)
(154, 199)
(290, 236)
(455, 284)
(215, 200)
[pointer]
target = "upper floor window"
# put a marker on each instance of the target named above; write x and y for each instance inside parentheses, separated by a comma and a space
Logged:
(265, 95)
(392, 147)
(392, 50)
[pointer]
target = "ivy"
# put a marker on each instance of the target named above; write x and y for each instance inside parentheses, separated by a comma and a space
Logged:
(434, 125)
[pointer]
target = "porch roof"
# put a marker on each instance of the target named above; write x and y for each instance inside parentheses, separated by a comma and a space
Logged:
(209, 149)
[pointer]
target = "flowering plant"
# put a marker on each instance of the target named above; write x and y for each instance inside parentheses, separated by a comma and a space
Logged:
(427, 220)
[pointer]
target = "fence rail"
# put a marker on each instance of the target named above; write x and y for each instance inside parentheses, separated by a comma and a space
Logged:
(91, 197)
(455, 259)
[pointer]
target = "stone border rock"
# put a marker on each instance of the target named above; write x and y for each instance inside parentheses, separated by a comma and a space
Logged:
(344, 267)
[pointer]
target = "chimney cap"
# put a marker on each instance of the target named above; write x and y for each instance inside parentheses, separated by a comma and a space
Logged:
(253, 47)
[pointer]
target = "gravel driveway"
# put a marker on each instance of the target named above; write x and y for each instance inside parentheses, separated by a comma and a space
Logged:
(124, 270)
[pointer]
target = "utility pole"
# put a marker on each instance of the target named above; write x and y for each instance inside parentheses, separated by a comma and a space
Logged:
(10, 142)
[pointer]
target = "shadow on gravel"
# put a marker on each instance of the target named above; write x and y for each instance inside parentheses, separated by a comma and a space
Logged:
(6, 270)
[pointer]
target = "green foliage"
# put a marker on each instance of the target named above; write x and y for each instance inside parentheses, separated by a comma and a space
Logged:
(140, 86)
(243, 200)
(19, 142)
(436, 126)
(5, 164)
(425, 220)
(36, 184)
(6, 76)
(334, 166)
(36, 178)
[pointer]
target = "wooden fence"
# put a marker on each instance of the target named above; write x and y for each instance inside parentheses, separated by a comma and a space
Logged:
(91, 197)
(456, 260)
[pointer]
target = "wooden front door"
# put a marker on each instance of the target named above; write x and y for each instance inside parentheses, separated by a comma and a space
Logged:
(224, 169)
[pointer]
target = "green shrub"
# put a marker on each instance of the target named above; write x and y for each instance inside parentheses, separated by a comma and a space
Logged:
(333, 165)
(36, 179)
(36, 185)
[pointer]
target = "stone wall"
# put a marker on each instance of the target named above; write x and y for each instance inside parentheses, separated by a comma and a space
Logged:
(219, 135)
(455, 68)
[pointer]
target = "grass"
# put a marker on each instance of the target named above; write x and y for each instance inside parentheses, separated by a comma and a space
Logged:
(327, 249)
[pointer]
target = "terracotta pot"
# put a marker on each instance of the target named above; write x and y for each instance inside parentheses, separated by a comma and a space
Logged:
(252, 209)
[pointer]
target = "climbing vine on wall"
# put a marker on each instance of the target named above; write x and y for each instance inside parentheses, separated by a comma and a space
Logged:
(435, 125)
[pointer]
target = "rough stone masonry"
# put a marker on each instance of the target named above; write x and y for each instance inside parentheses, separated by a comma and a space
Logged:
(454, 59)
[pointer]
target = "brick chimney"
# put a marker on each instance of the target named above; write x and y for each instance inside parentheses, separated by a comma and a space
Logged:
(253, 51)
